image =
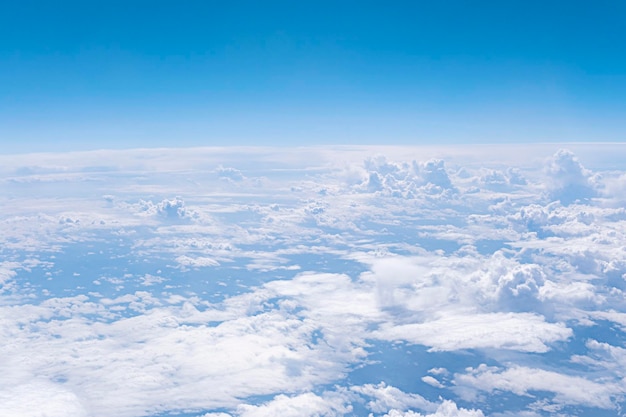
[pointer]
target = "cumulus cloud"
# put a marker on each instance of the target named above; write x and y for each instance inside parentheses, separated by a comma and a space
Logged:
(231, 174)
(7, 273)
(404, 180)
(569, 181)
(446, 409)
(523, 332)
(520, 286)
(307, 404)
(434, 173)
(196, 262)
(385, 398)
(432, 381)
(172, 209)
(502, 180)
(520, 380)
(40, 398)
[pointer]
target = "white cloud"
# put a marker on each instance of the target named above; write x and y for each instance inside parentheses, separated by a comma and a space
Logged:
(446, 409)
(231, 174)
(432, 381)
(574, 291)
(405, 180)
(515, 331)
(7, 273)
(438, 371)
(520, 380)
(569, 180)
(40, 398)
(604, 356)
(385, 398)
(167, 209)
(303, 405)
(196, 262)
(150, 279)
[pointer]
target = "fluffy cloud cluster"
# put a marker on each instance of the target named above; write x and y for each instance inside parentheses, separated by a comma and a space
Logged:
(569, 181)
(406, 180)
(520, 380)
(169, 209)
(230, 174)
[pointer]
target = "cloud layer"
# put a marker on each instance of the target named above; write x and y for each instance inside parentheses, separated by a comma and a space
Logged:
(320, 282)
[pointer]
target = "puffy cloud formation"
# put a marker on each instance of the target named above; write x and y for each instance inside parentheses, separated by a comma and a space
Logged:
(434, 173)
(231, 174)
(520, 380)
(307, 404)
(446, 409)
(167, 209)
(172, 209)
(385, 398)
(521, 332)
(569, 181)
(502, 179)
(406, 180)
(325, 282)
(40, 398)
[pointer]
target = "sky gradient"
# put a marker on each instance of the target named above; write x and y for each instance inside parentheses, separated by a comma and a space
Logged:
(84, 75)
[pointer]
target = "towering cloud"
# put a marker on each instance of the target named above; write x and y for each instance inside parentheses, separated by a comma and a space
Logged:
(568, 180)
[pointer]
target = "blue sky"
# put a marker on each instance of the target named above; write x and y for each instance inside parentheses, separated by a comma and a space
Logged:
(78, 75)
